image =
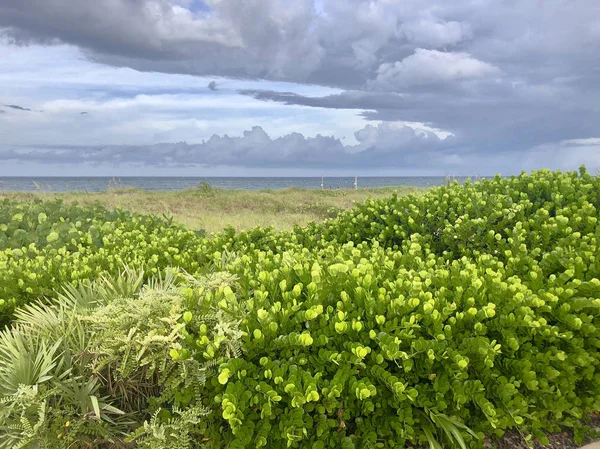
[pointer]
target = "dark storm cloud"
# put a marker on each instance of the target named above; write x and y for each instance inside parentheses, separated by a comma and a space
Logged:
(502, 77)
(392, 45)
(17, 107)
(490, 116)
(212, 85)
(160, 36)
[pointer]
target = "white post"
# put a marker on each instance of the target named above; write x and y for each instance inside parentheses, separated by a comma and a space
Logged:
(322, 182)
(356, 182)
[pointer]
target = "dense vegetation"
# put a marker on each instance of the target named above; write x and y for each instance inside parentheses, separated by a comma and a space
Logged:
(436, 320)
(46, 244)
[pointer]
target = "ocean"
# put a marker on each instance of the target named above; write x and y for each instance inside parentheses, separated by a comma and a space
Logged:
(98, 184)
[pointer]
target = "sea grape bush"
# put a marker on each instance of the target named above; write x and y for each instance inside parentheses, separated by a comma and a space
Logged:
(439, 318)
(456, 219)
(479, 303)
(46, 244)
(459, 220)
(358, 346)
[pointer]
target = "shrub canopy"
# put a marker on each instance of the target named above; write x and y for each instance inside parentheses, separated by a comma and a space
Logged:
(430, 319)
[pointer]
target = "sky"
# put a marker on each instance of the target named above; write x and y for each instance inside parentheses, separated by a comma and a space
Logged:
(298, 88)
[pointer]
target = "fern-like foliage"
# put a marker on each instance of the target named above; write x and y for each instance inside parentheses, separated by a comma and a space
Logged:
(22, 416)
(112, 356)
(181, 431)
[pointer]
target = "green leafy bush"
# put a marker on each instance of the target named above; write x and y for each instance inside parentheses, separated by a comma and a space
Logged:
(436, 319)
(46, 244)
(360, 346)
(472, 304)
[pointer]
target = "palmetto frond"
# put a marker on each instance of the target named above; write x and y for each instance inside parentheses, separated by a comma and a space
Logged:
(126, 284)
(163, 282)
(25, 361)
(88, 295)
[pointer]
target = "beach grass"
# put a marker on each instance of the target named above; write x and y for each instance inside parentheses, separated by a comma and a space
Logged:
(213, 209)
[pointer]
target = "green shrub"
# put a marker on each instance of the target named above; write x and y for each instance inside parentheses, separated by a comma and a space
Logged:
(476, 304)
(360, 346)
(46, 244)
(458, 220)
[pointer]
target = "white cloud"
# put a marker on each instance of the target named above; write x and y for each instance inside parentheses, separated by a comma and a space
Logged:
(396, 135)
(434, 33)
(425, 67)
(590, 141)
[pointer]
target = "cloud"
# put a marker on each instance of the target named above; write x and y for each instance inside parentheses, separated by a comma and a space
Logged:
(389, 144)
(154, 28)
(84, 113)
(435, 33)
(425, 67)
(488, 115)
(590, 141)
(565, 155)
(17, 107)
(393, 147)
(501, 77)
(212, 85)
(187, 111)
(160, 36)
(341, 44)
(345, 100)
